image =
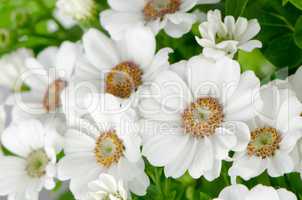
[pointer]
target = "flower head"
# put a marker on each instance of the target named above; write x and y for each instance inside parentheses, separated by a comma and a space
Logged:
(79, 10)
(225, 38)
(107, 187)
(34, 165)
(259, 192)
(195, 116)
(274, 134)
(171, 15)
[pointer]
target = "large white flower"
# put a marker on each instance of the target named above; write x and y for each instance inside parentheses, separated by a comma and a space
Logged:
(274, 133)
(194, 116)
(170, 15)
(105, 142)
(220, 38)
(260, 192)
(12, 66)
(46, 76)
(23, 176)
(120, 68)
(79, 10)
(106, 187)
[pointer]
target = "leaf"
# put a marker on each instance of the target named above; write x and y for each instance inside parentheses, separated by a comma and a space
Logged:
(297, 3)
(235, 7)
(204, 196)
(284, 2)
(298, 32)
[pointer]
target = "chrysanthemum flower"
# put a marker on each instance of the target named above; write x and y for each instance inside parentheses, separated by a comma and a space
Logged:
(225, 38)
(34, 167)
(260, 192)
(194, 116)
(171, 15)
(79, 10)
(46, 76)
(107, 187)
(274, 134)
(105, 142)
(120, 68)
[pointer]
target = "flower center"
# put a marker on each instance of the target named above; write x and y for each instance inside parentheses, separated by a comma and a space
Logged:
(264, 142)
(36, 163)
(155, 9)
(123, 79)
(52, 98)
(109, 149)
(202, 117)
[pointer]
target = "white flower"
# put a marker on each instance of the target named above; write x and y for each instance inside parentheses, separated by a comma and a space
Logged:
(23, 176)
(274, 133)
(79, 10)
(105, 142)
(66, 21)
(106, 187)
(12, 66)
(170, 15)
(260, 192)
(194, 116)
(220, 38)
(120, 68)
(46, 77)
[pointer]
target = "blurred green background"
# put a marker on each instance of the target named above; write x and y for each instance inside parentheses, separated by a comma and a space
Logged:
(25, 23)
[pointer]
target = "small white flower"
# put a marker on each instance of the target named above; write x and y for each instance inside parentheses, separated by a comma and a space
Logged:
(79, 10)
(12, 66)
(46, 76)
(23, 176)
(107, 188)
(220, 38)
(106, 141)
(194, 116)
(120, 68)
(260, 192)
(170, 15)
(274, 133)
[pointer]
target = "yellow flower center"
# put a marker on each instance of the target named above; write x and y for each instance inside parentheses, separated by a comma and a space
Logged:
(108, 149)
(36, 163)
(123, 79)
(52, 99)
(264, 142)
(202, 117)
(155, 9)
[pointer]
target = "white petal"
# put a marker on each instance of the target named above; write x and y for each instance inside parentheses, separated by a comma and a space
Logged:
(240, 105)
(116, 23)
(171, 91)
(234, 192)
(179, 24)
(280, 164)
(241, 27)
(187, 5)
(204, 158)
(181, 164)
(127, 5)
(250, 45)
(131, 47)
(286, 195)
(261, 192)
(100, 50)
(47, 57)
(77, 142)
(251, 31)
(164, 148)
(180, 68)
(214, 172)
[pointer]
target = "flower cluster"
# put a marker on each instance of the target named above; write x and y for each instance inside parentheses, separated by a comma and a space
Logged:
(93, 112)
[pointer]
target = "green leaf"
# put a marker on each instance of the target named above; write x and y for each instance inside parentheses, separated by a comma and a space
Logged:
(297, 3)
(298, 32)
(235, 7)
(284, 2)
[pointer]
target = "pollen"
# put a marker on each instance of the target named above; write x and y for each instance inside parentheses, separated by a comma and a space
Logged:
(109, 149)
(52, 99)
(36, 163)
(264, 142)
(157, 9)
(123, 79)
(202, 117)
